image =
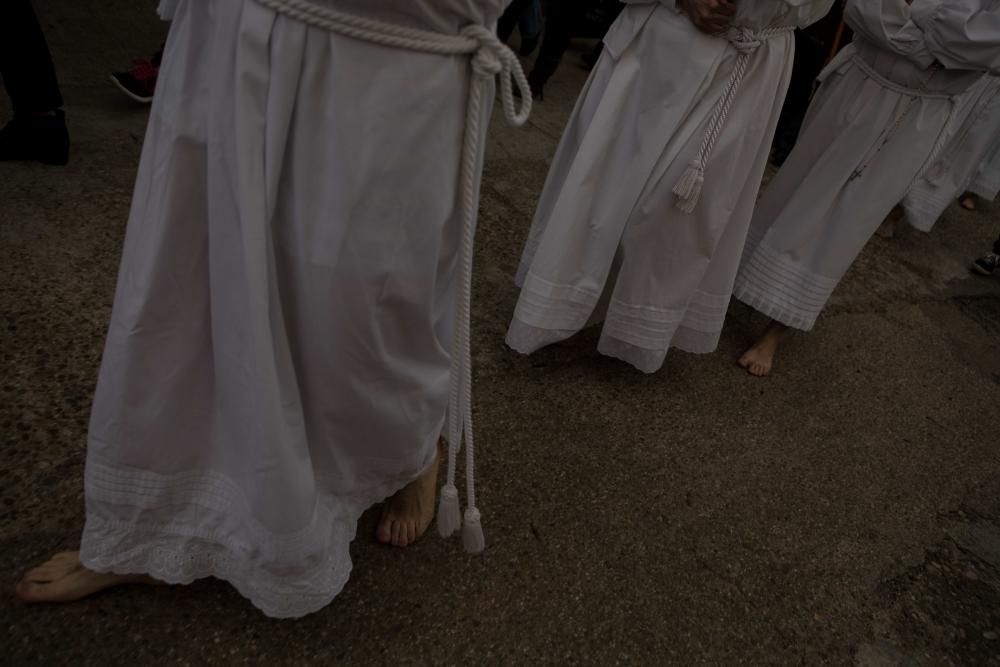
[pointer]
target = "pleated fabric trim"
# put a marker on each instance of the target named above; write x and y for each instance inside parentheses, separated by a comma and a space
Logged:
(206, 511)
(781, 289)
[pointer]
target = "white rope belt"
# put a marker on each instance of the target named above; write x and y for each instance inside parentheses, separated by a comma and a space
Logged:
(746, 42)
(490, 57)
(889, 132)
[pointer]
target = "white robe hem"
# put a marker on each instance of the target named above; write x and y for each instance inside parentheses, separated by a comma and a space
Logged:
(177, 554)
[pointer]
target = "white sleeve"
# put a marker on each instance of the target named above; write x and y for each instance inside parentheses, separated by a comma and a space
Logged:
(961, 34)
(806, 12)
(889, 25)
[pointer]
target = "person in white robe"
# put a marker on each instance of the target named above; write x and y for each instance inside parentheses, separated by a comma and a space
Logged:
(877, 122)
(975, 131)
(985, 183)
(279, 356)
(651, 191)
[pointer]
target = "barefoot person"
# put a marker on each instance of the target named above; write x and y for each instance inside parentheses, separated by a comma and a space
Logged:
(651, 192)
(975, 132)
(278, 356)
(877, 121)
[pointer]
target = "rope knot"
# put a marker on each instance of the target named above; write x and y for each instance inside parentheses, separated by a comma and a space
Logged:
(746, 42)
(743, 39)
(487, 61)
(493, 57)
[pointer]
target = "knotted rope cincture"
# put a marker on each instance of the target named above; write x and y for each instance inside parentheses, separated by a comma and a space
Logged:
(490, 57)
(746, 42)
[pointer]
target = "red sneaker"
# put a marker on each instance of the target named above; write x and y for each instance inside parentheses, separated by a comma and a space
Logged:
(139, 83)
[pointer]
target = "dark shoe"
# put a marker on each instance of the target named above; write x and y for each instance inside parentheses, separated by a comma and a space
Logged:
(988, 265)
(41, 138)
(139, 83)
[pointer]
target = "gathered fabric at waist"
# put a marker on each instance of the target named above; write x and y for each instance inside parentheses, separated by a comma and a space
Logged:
(906, 77)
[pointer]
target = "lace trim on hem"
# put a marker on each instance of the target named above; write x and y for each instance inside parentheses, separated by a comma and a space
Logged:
(526, 339)
(925, 204)
(781, 289)
(769, 308)
(693, 341)
(642, 359)
(177, 555)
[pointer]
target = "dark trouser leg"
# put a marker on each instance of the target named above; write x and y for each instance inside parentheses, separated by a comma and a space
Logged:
(25, 61)
(510, 18)
(996, 246)
(562, 17)
(809, 60)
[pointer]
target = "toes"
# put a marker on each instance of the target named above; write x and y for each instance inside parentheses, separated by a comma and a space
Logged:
(48, 572)
(384, 531)
(411, 533)
(57, 567)
(27, 591)
(745, 360)
(52, 571)
(398, 531)
(30, 591)
(40, 575)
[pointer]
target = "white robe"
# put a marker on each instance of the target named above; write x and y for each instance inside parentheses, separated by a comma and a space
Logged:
(975, 133)
(640, 121)
(986, 180)
(278, 354)
(167, 9)
(872, 129)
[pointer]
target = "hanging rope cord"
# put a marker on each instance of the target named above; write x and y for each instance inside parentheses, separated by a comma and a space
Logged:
(490, 57)
(746, 42)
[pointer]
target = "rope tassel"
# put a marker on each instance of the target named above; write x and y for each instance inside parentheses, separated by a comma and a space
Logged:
(746, 42)
(449, 516)
(472, 532)
(688, 189)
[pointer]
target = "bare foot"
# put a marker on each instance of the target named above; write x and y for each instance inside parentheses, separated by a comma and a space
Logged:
(407, 515)
(759, 359)
(64, 579)
(968, 201)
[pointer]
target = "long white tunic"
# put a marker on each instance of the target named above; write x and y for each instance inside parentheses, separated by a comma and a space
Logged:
(974, 136)
(872, 129)
(639, 123)
(986, 180)
(278, 355)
